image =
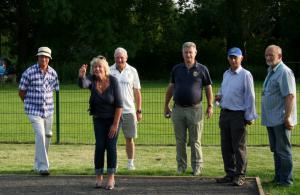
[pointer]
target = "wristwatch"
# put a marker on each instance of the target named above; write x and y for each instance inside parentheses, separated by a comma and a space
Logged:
(139, 111)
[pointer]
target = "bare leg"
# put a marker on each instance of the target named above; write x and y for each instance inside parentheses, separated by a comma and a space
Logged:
(130, 149)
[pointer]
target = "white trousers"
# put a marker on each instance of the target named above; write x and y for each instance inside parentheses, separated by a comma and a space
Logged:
(43, 132)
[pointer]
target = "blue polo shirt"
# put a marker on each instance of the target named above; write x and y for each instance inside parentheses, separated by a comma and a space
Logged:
(188, 83)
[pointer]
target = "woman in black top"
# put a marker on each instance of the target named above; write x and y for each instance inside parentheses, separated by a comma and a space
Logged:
(106, 109)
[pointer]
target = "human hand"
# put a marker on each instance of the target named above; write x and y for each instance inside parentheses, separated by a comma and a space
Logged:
(217, 99)
(113, 131)
(209, 111)
(82, 70)
(167, 112)
(249, 122)
(287, 123)
(139, 116)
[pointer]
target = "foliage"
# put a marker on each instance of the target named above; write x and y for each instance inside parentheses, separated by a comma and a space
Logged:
(151, 31)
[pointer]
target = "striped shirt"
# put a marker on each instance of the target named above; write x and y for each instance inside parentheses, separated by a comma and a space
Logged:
(39, 88)
(279, 83)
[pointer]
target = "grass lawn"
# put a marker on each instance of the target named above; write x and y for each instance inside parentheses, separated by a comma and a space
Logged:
(150, 160)
(154, 156)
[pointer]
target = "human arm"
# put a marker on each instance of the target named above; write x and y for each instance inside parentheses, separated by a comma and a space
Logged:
(118, 103)
(218, 96)
(209, 97)
(83, 81)
(168, 96)
(249, 96)
(114, 127)
(288, 90)
(22, 94)
(138, 102)
(288, 107)
(23, 86)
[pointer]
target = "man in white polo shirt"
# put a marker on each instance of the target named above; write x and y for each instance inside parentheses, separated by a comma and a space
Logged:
(132, 100)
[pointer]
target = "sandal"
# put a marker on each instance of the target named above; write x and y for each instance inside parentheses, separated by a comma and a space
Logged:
(110, 187)
(99, 184)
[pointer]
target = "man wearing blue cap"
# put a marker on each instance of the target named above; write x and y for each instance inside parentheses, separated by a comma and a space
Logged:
(237, 100)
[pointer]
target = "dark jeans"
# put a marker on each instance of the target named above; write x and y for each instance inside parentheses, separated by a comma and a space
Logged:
(103, 142)
(233, 142)
(279, 138)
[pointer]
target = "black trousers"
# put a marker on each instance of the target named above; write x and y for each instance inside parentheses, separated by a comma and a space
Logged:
(233, 142)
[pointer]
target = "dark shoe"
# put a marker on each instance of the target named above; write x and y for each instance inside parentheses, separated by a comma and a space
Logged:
(274, 180)
(44, 172)
(239, 180)
(226, 179)
(181, 170)
(280, 184)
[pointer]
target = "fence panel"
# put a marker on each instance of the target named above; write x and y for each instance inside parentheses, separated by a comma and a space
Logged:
(76, 124)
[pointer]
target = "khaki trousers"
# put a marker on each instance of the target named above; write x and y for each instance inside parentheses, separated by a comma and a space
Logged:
(188, 119)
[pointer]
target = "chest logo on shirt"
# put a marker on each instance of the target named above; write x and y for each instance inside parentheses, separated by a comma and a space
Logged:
(195, 73)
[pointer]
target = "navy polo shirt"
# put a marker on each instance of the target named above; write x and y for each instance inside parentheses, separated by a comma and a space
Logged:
(188, 83)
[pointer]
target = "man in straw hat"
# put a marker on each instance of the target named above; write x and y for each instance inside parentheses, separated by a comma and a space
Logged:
(36, 91)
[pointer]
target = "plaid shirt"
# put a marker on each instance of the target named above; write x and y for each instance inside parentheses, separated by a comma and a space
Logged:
(39, 88)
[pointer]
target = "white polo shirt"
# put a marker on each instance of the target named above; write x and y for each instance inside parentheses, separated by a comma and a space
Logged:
(128, 80)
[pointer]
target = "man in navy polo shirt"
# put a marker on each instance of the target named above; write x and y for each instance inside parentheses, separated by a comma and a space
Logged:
(187, 81)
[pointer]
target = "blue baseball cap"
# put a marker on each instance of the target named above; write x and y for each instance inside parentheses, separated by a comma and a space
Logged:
(235, 51)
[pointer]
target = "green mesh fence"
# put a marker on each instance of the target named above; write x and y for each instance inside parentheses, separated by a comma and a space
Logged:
(75, 124)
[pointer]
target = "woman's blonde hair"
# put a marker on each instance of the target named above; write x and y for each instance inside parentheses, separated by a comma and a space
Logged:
(100, 60)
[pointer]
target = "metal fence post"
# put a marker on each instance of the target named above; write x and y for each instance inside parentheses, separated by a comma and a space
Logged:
(57, 119)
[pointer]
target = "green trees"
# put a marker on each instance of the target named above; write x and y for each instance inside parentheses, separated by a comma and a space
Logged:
(151, 31)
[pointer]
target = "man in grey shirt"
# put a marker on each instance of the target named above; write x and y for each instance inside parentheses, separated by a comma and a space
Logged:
(279, 113)
(237, 100)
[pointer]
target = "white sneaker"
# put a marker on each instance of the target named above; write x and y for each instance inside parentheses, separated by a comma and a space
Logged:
(131, 167)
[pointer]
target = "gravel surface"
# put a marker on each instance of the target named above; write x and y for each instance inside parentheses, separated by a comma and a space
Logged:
(67, 185)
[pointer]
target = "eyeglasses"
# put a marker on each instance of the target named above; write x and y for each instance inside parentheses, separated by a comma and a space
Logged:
(101, 57)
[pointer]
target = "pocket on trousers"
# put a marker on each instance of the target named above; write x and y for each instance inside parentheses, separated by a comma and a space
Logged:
(196, 115)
